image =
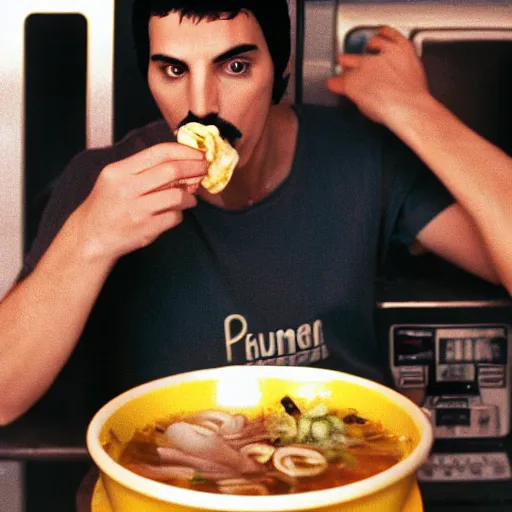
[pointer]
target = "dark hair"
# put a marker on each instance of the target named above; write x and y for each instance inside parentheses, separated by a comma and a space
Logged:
(274, 20)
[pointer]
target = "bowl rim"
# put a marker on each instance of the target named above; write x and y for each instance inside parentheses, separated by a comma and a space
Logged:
(233, 503)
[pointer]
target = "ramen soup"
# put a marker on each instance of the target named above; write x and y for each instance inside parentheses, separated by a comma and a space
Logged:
(284, 451)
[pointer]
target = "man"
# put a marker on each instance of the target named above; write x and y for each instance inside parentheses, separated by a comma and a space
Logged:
(160, 276)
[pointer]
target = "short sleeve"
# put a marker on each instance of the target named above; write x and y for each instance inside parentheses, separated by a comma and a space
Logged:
(413, 195)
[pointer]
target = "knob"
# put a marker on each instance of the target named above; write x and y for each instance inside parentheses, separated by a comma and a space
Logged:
(499, 467)
(484, 420)
(475, 468)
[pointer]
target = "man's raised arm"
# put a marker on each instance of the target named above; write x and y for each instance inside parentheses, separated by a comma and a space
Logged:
(41, 319)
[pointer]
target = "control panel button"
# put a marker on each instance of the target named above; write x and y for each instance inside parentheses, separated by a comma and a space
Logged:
(484, 420)
(499, 468)
(466, 467)
(476, 468)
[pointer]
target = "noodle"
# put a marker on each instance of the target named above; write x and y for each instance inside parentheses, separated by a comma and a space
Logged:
(283, 452)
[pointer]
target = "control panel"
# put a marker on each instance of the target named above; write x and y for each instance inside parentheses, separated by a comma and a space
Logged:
(463, 372)
(463, 467)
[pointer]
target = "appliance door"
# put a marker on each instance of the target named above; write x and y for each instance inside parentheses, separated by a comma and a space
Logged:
(469, 71)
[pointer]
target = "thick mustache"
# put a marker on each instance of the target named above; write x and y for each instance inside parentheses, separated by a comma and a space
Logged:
(227, 130)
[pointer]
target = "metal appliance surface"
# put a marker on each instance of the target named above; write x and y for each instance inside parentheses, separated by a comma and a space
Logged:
(463, 373)
(453, 358)
(12, 486)
(446, 337)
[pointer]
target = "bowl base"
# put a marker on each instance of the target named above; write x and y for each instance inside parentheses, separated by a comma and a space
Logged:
(100, 502)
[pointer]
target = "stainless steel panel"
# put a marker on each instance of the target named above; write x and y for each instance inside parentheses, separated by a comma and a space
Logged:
(329, 23)
(100, 18)
(319, 52)
(411, 304)
(409, 18)
(289, 96)
(11, 486)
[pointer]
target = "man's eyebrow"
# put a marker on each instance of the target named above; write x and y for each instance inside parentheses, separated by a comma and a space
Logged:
(233, 52)
(229, 54)
(166, 59)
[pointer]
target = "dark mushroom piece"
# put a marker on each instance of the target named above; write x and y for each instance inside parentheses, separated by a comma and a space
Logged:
(290, 407)
(353, 418)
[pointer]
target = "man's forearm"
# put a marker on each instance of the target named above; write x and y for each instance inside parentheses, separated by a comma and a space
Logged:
(477, 173)
(42, 318)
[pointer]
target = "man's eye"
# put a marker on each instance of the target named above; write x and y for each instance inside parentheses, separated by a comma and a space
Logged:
(238, 67)
(173, 71)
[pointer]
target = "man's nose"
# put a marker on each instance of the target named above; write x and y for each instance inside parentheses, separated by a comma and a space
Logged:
(203, 95)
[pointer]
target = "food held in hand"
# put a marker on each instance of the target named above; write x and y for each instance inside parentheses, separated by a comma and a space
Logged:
(286, 450)
(222, 157)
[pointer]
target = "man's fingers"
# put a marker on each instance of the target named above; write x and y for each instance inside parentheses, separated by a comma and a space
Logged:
(349, 60)
(392, 34)
(161, 223)
(166, 200)
(171, 174)
(167, 220)
(150, 157)
(378, 44)
(173, 199)
(336, 84)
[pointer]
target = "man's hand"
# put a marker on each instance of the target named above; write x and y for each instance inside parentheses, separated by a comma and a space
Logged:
(384, 81)
(136, 199)
(389, 86)
(132, 202)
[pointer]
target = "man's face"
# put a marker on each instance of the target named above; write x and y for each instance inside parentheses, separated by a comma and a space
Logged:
(218, 67)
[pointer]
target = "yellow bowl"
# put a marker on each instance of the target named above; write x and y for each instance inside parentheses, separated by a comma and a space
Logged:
(249, 389)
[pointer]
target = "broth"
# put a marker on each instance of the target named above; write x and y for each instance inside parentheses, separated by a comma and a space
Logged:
(284, 451)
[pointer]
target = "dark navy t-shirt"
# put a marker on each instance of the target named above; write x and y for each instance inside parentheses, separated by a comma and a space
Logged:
(287, 281)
